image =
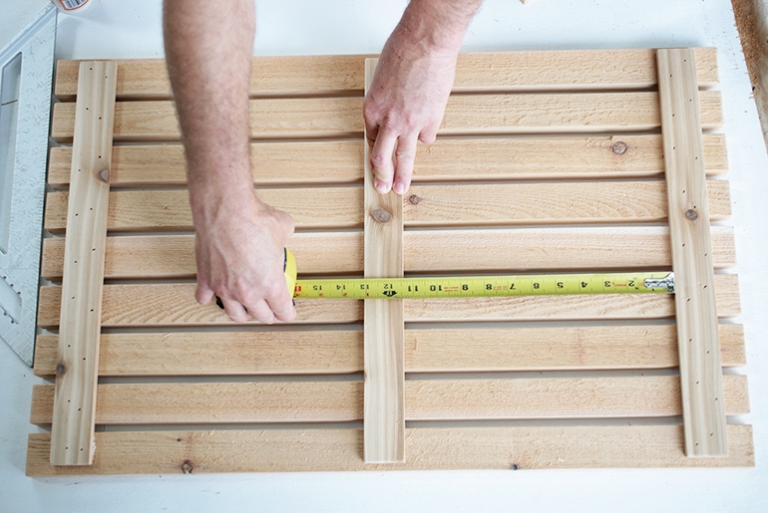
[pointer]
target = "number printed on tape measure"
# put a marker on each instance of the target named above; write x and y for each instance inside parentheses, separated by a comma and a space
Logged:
(483, 286)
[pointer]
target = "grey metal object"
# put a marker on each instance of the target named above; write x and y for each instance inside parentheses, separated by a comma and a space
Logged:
(667, 283)
(26, 74)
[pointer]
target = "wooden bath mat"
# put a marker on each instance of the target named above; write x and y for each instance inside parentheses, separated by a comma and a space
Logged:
(546, 162)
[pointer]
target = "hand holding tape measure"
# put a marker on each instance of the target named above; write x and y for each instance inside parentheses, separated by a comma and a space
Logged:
(475, 286)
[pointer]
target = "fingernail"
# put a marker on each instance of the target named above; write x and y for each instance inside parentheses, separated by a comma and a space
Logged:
(381, 187)
(399, 188)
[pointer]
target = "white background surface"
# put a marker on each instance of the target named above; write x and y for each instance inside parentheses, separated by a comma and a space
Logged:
(132, 29)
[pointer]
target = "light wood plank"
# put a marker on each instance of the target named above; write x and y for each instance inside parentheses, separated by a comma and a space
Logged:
(174, 305)
(503, 250)
(215, 403)
(483, 158)
(465, 114)
(547, 203)
(383, 328)
(541, 349)
(173, 256)
(228, 353)
(424, 205)
(432, 350)
(78, 354)
(551, 249)
(541, 398)
(312, 208)
(565, 307)
(702, 387)
(271, 162)
(343, 74)
(342, 401)
(301, 450)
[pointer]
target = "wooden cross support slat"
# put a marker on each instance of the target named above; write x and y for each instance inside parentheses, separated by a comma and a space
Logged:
(72, 438)
(700, 367)
(384, 400)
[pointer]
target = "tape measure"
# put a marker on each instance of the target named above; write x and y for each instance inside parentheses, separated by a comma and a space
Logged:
(476, 286)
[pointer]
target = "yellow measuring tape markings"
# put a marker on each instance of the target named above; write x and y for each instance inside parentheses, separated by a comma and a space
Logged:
(477, 286)
(484, 286)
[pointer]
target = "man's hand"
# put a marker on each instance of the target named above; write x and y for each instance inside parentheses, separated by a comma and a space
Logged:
(407, 98)
(239, 247)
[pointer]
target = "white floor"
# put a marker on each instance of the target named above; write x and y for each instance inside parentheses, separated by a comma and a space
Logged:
(132, 29)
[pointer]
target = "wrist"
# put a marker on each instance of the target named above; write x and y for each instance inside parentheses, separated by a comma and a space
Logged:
(213, 201)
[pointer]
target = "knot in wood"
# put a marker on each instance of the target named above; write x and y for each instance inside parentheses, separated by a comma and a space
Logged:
(103, 175)
(61, 369)
(619, 147)
(187, 467)
(414, 199)
(691, 214)
(382, 215)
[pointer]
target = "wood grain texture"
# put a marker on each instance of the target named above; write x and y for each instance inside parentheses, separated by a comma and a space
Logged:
(306, 127)
(343, 74)
(555, 348)
(465, 114)
(174, 305)
(342, 401)
(424, 205)
(297, 450)
(217, 354)
(216, 403)
(428, 350)
(500, 250)
(173, 255)
(702, 387)
(552, 308)
(78, 354)
(383, 322)
(480, 158)
(285, 162)
(311, 208)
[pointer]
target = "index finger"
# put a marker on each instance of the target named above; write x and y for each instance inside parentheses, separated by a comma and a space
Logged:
(381, 160)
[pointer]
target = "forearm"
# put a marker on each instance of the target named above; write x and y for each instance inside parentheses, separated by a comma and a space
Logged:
(439, 24)
(208, 49)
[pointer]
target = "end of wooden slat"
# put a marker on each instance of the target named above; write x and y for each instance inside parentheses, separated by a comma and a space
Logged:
(55, 220)
(45, 355)
(41, 411)
(65, 86)
(706, 67)
(732, 347)
(728, 295)
(711, 110)
(59, 167)
(63, 122)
